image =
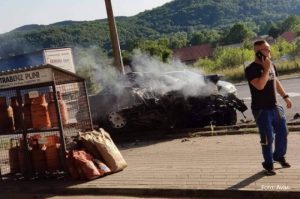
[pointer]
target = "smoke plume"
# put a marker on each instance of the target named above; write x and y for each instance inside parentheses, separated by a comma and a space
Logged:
(172, 76)
(148, 72)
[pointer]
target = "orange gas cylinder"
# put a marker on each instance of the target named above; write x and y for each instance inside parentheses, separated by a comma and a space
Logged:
(39, 113)
(52, 158)
(17, 112)
(6, 116)
(38, 158)
(62, 108)
(52, 140)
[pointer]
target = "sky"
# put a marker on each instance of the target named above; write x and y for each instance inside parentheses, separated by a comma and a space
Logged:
(16, 13)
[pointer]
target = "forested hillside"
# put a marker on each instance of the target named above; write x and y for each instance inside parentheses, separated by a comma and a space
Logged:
(179, 16)
(195, 14)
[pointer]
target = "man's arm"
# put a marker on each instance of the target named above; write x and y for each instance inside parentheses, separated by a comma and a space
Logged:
(282, 93)
(260, 82)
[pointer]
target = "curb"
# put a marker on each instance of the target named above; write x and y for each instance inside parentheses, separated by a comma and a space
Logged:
(59, 189)
(196, 132)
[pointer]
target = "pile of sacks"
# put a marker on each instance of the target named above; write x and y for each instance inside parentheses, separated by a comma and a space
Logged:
(98, 156)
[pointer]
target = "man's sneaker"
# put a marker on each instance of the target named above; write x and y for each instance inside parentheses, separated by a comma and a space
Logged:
(269, 169)
(283, 162)
(270, 172)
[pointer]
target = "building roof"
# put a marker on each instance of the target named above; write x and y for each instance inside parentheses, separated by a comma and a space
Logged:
(192, 53)
(289, 36)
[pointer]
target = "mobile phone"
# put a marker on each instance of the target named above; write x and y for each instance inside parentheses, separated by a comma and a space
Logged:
(260, 56)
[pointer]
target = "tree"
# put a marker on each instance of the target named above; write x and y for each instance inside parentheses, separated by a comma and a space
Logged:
(232, 57)
(274, 31)
(205, 36)
(248, 44)
(205, 64)
(281, 48)
(226, 58)
(297, 47)
(290, 24)
(178, 40)
(238, 33)
(158, 48)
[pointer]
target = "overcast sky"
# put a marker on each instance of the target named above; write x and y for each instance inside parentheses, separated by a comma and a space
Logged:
(16, 13)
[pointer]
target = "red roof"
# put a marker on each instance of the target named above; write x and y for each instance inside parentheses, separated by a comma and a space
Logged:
(289, 36)
(192, 53)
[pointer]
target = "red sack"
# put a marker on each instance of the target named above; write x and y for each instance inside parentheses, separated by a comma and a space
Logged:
(71, 166)
(84, 165)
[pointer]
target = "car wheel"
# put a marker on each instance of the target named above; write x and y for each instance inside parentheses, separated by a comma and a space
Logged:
(117, 120)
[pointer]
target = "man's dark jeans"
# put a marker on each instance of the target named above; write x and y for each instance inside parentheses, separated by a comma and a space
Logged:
(272, 122)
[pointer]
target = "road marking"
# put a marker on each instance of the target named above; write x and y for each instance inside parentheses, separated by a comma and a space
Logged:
(293, 94)
(246, 98)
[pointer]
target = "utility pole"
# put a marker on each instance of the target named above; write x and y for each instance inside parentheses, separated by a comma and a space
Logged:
(118, 62)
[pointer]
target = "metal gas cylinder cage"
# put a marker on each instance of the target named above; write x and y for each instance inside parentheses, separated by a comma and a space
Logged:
(40, 108)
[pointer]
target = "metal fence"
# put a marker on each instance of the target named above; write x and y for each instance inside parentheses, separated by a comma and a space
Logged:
(35, 122)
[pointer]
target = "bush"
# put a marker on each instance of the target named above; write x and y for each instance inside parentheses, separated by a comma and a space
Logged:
(205, 64)
(232, 57)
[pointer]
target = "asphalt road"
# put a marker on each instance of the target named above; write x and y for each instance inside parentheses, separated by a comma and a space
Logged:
(291, 86)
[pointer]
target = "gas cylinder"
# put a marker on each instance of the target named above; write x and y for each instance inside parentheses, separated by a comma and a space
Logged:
(39, 113)
(6, 116)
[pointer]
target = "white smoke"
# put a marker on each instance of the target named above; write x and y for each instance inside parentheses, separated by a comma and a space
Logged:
(142, 62)
(172, 76)
(96, 64)
(156, 75)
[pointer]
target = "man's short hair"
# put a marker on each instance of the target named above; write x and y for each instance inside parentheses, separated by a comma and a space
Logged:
(259, 42)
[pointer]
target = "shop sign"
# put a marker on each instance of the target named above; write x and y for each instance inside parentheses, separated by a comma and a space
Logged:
(26, 78)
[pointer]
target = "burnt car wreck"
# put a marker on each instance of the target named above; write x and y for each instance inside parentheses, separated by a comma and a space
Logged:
(177, 99)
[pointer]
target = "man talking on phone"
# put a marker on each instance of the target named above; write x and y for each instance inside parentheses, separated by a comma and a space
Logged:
(269, 116)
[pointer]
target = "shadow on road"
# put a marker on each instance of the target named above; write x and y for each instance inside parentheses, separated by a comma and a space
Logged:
(247, 181)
